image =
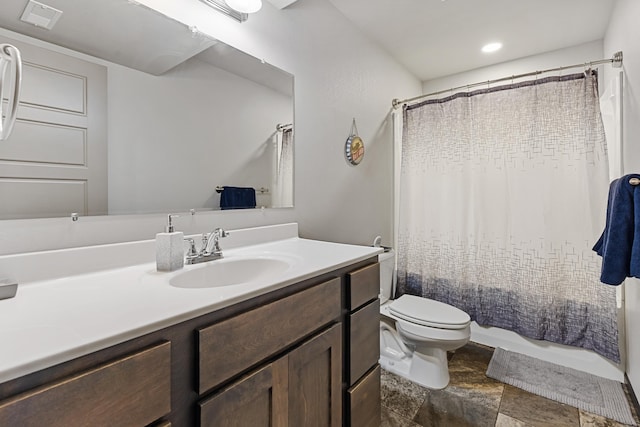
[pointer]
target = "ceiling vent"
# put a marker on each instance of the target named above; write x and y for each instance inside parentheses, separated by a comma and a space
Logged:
(40, 15)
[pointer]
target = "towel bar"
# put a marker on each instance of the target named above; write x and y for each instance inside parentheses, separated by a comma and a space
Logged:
(634, 181)
(261, 190)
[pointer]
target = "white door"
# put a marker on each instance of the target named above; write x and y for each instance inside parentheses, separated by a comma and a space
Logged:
(55, 161)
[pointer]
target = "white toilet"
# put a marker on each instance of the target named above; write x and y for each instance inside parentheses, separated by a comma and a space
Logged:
(416, 333)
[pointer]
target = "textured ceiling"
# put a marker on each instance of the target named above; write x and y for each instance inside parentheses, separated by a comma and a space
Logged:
(434, 38)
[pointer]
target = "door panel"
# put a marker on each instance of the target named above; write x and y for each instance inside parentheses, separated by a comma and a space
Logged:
(58, 149)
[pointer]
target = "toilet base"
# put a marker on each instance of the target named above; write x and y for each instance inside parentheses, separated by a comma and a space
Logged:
(428, 370)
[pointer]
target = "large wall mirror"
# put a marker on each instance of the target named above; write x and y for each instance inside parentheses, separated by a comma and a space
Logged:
(158, 119)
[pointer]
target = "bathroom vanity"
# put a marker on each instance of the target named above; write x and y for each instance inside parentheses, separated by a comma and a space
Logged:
(300, 348)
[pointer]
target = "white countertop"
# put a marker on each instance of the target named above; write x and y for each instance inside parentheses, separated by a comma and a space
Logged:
(53, 321)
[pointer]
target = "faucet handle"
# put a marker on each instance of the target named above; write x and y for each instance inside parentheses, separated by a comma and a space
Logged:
(192, 252)
(221, 233)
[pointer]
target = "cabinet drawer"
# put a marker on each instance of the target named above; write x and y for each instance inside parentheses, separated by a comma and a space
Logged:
(364, 345)
(363, 285)
(364, 401)
(131, 391)
(234, 345)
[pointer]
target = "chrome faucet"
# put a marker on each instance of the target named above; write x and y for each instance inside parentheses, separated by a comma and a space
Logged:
(212, 246)
(210, 249)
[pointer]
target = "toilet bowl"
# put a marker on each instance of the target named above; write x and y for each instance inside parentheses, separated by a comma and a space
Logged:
(416, 333)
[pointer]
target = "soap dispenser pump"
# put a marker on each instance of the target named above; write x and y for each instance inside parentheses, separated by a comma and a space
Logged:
(170, 248)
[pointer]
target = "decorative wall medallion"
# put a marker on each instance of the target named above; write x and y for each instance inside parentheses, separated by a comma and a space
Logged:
(354, 147)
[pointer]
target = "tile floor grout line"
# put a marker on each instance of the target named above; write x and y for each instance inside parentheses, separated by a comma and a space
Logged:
(499, 407)
(413, 419)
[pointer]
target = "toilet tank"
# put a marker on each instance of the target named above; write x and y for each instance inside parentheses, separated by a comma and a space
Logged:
(387, 262)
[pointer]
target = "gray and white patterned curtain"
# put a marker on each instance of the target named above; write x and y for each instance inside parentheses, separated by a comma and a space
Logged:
(502, 195)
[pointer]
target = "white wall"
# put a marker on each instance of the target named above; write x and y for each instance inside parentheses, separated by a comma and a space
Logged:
(173, 138)
(623, 35)
(339, 75)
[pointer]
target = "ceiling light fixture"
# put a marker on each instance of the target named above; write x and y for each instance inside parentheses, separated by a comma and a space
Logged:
(491, 47)
(222, 7)
(245, 6)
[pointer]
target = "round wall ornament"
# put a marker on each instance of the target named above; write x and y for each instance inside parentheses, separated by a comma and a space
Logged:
(354, 147)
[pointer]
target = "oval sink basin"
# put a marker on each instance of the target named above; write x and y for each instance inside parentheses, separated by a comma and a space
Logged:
(227, 272)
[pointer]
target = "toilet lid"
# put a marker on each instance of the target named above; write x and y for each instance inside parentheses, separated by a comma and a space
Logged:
(428, 312)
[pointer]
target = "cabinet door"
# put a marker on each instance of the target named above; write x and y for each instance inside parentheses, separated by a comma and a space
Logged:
(260, 399)
(315, 384)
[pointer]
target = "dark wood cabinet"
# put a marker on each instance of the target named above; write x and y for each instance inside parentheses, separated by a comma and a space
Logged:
(284, 358)
(364, 340)
(259, 399)
(315, 381)
(362, 397)
(364, 400)
(129, 391)
(363, 286)
(301, 388)
(240, 342)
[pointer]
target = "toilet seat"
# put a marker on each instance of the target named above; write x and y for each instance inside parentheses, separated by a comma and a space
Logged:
(426, 333)
(430, 313)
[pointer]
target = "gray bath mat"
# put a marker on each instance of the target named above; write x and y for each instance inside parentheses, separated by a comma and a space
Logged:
(585, 391)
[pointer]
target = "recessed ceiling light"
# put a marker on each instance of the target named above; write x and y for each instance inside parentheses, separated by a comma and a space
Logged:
(491, 47)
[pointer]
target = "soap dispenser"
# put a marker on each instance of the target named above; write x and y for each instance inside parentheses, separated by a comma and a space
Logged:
(170, 248)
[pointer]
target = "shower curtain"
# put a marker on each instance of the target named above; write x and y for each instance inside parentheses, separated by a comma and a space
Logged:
(283, 186)
(502, 195)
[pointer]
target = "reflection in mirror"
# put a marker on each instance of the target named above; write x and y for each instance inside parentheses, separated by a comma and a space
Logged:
(146, 130)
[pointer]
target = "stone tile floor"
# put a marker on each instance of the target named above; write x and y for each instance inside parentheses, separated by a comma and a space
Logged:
(473, 400)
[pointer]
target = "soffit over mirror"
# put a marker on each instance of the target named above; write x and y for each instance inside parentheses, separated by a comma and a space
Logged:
(179, 113)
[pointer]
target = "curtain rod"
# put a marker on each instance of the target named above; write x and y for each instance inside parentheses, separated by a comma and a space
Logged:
(616, 61)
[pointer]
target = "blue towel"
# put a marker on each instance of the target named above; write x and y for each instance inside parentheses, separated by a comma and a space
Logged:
(237, 198)
(619, 245)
